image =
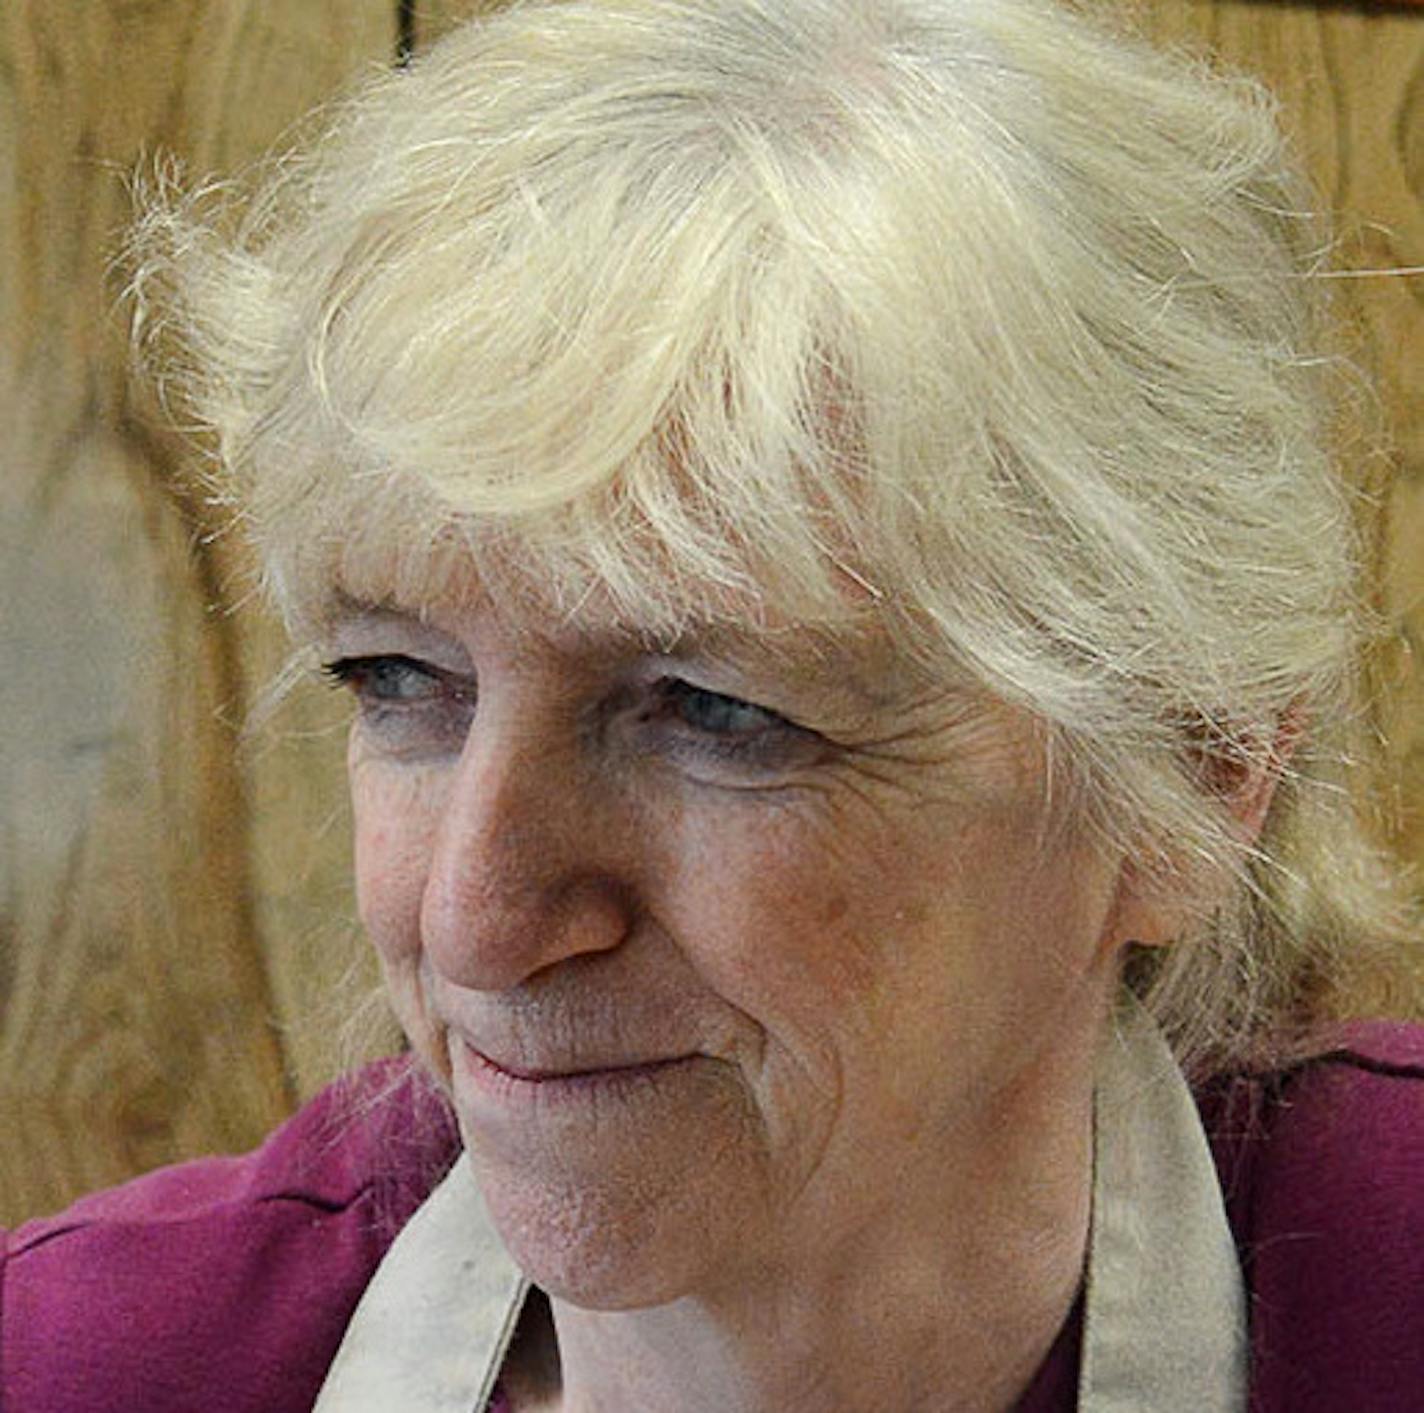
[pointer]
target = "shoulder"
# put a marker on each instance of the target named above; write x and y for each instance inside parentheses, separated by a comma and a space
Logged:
(223, 1282)
(1322, 1167)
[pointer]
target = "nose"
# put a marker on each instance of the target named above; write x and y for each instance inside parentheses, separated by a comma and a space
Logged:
(523, 873)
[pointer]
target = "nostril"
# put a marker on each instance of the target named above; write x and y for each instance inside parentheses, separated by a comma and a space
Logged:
(598, 913)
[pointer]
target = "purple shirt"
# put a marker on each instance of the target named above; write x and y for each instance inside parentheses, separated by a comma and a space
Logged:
(227, 1283)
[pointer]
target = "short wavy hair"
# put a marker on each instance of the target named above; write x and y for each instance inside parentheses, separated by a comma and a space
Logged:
(981, 307)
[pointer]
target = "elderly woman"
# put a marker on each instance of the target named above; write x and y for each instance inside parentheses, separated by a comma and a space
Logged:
(823, 510)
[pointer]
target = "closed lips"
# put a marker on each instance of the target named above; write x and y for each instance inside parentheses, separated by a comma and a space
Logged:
(538, 1074)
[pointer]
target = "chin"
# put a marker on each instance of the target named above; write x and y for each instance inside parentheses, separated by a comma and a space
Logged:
(621, 1197)
(614, 1244)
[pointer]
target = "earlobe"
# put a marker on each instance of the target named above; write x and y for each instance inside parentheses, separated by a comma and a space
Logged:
(1151, 904)
(1145, 911)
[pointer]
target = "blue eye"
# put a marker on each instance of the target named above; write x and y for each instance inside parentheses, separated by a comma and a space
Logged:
(385, 680)
(720, 715)
(729, 738)
(407, 708)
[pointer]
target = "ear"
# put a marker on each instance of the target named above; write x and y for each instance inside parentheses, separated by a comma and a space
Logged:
(1247, 785)
(1149, 906)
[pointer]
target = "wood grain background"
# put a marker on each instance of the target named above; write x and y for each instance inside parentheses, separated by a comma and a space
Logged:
(177, 942)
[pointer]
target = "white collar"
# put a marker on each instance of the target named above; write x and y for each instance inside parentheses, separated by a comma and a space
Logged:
(431, 1331)
(1165, 1312)
(1164, 1317)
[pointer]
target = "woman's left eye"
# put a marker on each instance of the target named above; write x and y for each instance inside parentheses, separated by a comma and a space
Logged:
(720, 715)
(728, 738)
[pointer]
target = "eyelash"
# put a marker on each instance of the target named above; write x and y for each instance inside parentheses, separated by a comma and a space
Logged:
(359, 675)
(764, 742)
(749, 743)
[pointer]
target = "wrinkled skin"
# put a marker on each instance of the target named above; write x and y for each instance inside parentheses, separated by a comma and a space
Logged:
(766, 985)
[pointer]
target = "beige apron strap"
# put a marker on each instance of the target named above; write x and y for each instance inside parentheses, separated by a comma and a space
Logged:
(430, 1333)
(1165, 1319)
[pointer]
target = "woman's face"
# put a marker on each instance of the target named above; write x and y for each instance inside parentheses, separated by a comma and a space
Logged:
(727, 955)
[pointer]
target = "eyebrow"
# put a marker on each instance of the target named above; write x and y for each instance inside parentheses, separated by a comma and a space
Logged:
(840, 665)
(345, 616)
(834, 665)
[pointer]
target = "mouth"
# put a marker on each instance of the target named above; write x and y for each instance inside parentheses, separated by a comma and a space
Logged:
(512, 1080)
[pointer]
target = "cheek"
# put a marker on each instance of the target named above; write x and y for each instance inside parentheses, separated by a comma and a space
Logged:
(881, 946)
(773, 915)
(395, 818)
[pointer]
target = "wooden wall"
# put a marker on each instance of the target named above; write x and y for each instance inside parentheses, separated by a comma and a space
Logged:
(176, 934)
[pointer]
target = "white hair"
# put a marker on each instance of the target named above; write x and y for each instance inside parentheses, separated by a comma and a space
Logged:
(979, 305)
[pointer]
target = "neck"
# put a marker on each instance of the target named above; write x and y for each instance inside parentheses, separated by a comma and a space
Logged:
(950, 1300)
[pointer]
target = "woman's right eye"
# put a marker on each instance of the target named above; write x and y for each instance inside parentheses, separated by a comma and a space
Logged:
(408, 706)
(384, 679)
